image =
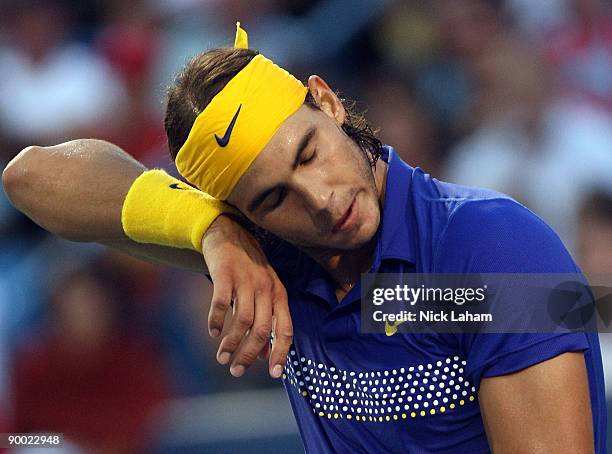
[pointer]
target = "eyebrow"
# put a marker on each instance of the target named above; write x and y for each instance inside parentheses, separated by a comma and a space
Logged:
(306, 138)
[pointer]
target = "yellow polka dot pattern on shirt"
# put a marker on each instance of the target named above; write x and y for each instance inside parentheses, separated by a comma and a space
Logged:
(390, 395)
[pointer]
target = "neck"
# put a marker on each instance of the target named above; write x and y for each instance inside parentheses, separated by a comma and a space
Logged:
(346, 266)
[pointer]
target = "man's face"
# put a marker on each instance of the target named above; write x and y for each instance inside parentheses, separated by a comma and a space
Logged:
(311, 185)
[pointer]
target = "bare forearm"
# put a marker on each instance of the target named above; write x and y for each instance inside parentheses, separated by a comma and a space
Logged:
(162, 255)
(75, 189)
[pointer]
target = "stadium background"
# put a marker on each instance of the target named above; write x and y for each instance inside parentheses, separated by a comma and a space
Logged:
(510, 94)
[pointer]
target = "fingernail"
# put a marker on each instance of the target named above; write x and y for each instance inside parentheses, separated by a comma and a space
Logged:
(237, 371)
(214, 332)
(277, 371)
(224, 358)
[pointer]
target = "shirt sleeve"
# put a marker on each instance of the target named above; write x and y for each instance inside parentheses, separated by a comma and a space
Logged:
(502, 236)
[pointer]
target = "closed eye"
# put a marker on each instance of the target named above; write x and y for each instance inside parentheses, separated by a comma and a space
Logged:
(309, 159)
(282, 193)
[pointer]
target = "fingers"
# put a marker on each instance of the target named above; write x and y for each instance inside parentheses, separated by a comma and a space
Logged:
(282, 331)
(260, 307)
(264, 354)
(221, 300)
(258, 336)
(241, 322)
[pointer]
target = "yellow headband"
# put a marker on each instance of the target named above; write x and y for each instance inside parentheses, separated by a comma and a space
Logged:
(238, 123)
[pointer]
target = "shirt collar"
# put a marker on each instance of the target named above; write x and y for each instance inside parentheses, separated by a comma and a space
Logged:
(396, 232)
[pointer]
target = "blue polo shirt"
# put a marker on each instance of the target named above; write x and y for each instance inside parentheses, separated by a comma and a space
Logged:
(418, 393)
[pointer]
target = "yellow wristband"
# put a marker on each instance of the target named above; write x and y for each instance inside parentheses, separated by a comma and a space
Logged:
(159, 209)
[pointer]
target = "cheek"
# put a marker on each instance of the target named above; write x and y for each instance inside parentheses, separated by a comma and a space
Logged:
(372, 213)
(286, 224)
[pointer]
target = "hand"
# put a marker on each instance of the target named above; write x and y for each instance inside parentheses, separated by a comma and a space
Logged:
(241, 274)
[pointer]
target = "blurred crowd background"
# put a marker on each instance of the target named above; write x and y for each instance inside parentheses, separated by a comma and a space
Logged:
(514, 95)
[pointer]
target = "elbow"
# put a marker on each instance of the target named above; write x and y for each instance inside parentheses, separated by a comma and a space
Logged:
(29, 185)
(17, 175)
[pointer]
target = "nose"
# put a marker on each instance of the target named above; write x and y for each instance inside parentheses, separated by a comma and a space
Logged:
(317, 199)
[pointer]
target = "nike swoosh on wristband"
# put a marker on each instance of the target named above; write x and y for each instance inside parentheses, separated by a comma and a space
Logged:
(176, 186)
(223, 141)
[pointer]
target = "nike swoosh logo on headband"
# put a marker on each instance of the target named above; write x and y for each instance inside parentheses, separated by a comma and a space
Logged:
(223, 141)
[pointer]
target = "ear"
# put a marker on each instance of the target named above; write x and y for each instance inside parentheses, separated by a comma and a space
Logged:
(326, 99)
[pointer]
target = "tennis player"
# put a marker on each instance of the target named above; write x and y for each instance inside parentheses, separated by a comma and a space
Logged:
(292, 164)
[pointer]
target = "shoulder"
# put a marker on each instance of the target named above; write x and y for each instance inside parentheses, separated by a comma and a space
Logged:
(500, 235)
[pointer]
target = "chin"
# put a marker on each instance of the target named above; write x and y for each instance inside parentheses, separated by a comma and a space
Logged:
(362, 236)
(358, 237)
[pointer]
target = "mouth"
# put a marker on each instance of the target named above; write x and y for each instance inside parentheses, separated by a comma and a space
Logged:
(348, 219)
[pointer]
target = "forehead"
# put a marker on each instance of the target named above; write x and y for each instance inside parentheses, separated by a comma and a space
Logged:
(278, 153)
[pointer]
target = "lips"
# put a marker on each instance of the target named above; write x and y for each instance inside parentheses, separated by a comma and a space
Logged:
(345, 222)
